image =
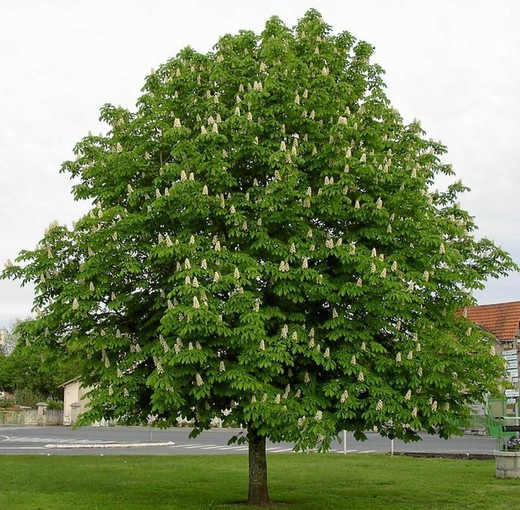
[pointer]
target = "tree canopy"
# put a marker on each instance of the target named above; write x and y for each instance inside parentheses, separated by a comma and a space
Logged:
(265, 238)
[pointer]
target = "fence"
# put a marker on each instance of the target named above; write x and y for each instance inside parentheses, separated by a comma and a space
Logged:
(54, 417)
(19, 417)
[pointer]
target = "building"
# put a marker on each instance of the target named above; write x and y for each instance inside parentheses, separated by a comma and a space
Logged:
(74, 400)
(502, 320)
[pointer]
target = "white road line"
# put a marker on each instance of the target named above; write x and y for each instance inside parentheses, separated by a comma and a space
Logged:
(109, 445)
(29, 439)
(211, 447)
(238, 448)
(22, 448)
(197, 446)
(272, 449)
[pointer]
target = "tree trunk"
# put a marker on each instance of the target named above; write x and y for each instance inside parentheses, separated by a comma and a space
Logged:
(258, 493)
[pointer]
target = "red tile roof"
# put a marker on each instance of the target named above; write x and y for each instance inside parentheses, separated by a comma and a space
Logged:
(501, 319)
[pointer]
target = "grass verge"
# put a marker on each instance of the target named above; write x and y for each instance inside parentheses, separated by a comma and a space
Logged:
(296, 481)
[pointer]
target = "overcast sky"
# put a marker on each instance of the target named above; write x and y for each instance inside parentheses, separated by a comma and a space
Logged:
(453, 64)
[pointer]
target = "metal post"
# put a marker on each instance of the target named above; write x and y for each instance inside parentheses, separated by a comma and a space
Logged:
(344, 442)
(516, 412)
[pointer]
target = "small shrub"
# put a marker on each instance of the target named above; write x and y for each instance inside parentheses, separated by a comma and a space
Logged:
(512, 445)
(55, 404)
(27, 397)
(6, 402)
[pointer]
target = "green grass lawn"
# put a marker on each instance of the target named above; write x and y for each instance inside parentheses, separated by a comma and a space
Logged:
(313, 481)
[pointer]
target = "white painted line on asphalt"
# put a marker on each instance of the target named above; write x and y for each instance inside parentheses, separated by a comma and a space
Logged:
(22, 448)
(53, 440)
(197, 446)
(109, 445)
(238, 448)
(6, 438)
(279, 450)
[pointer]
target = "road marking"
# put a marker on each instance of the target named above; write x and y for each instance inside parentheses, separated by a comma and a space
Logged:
(29, 439)
(22, 448)
(191, 447)
(210, 447)
(109, 445)
(237, 448)
(272, 449)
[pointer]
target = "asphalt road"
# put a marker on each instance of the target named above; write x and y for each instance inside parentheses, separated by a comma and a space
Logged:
(27, 440)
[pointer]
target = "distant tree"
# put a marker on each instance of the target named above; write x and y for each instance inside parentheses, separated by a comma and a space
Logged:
(35, 371)
(264, 239)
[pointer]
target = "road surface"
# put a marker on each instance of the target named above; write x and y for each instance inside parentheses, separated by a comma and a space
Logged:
(28, 440)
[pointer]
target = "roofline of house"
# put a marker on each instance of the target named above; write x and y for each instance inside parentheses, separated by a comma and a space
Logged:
(495, 304)
(75, 379)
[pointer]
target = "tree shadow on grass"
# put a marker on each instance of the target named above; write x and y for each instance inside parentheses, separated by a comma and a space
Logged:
(243, 504)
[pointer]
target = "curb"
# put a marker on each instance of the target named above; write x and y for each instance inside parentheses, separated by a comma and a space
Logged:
(433, 455)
